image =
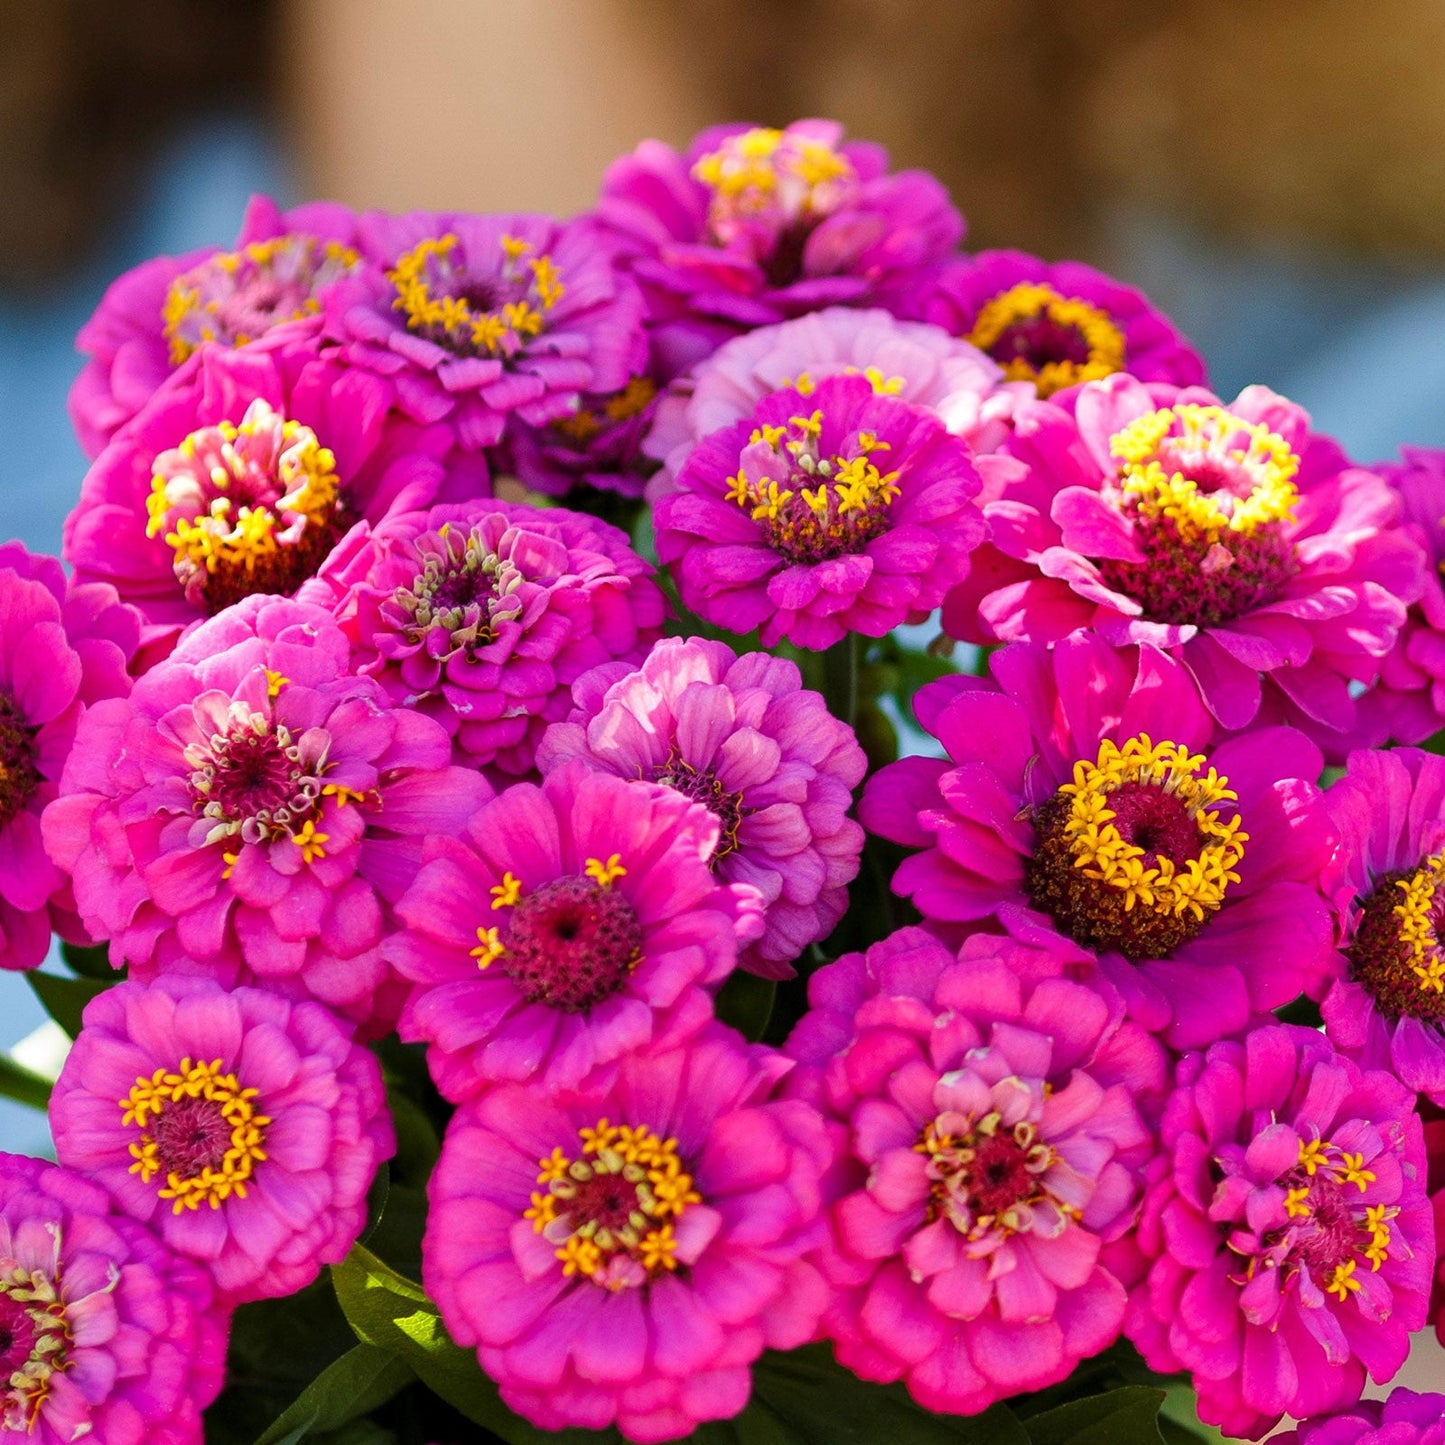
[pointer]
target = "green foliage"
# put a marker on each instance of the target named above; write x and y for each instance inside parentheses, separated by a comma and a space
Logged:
(349, 1389)
(90, 961)
(1126, 1416)
(745, 1002)
(23, 1085)
(64, 999)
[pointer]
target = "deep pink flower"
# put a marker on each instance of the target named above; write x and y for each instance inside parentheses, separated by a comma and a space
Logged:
(1081, 796)
(484, 615)
(242, 473)
(155, 316)
(1053, 325)
(243, 1128)
(742, 737)
(62, 648)
(994, 1147)
(476, 319)
(816, 516)
(1234, 539)
(105, 1335)
(624, 1254)
(253, 810)
(1405, 1418)
(563, 927)
(750, 226)
(1289, 1230)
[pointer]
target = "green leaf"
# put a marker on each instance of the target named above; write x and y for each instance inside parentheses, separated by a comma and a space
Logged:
(89, 960)
(1304, 1011)
(23, 1085)
(64, 999)
(746, 1002)
(1127, 1416)
(353, 1386)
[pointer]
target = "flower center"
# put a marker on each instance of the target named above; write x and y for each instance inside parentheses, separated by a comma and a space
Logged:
(461, 592)
(1397, 952)
(246, 509)
(1054, 341)
(811, 507)
(235, 297)
(611, 1211)
(19, 777)
(701, 785)
(474, 305)
(1132, 854)
(34, 1343)
(199, 1129)
(571, 943)
(1209, 495)
(607, 411)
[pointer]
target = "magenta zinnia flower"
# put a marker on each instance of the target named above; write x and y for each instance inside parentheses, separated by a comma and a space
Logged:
(751, 225)
(767, 759)
(839, 511)
(1233, 538)
(1405, 1418)
(105, 1335)
(243, 1128)
(1289, 1230)
(253, 810)
(564, 926)
(1081, 797)
(153, 317)
(624, 1254)
(483, 616)
(994, 1145)
(1054, 325)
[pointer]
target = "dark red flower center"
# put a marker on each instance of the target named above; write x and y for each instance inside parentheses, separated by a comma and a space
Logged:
(17, 1336)
(701, 785)
(191, 1136)
(1040, 341)
(19, 776)
(571, 944)
(1396, 953)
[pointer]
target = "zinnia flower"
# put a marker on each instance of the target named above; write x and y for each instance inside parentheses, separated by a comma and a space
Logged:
(1231, 537)
(243, 1128)
(564, 926)
(1289, 1230)
(816, 516)
(994, 1148)
(624, 1254)
(484, 615)
(252, 811)
(104, 1334)
(1081, 796)
(62, 648)
(1405, 1418)
(764, 756)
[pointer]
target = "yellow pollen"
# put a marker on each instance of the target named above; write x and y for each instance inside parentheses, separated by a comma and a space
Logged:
(1342, 1281)
(753, 169)
(342, 794)
(1294, 1202)
(1312, 1155)
(1351, 1170)
(489, 947)
(883, 385)
(274, 683)
(1416, 911)
(803, 384)
(604, 875)
(309, 841)
(1028, 301)
(506, 893)
(230, 860)
(633, 399)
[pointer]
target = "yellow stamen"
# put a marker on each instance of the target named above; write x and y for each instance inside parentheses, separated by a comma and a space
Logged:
(506, 893)
(1028, 300)
(605, 874)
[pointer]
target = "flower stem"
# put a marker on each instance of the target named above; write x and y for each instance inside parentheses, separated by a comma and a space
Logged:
(840, 679)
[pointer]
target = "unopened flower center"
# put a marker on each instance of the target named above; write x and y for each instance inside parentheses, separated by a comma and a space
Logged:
(611, 1210)
(246, 508)
(1052, 340)
(1397, 952)
(1133, 854)
(198, 1129)
(476, 306)
(19, 776)
(239, 295)
(35, 1343)
(458, 596)
(701, 785)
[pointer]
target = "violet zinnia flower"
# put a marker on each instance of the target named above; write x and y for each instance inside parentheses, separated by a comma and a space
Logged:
(252, 810)
(752, 225)
(994, 1147)
(767, 759)
(484, 615)
(62, 649)
(154, 317)
(1405, 1418)
(840, 511)
(105, 1335)
(1054, 325)
(1289, 1230)
(1232, 537)
(242, 474)
(564, 926)
(624, 1254)
(243, 1128)
(1081, 795)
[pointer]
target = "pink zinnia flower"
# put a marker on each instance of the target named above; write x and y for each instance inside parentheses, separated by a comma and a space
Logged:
(1081, 796)
(62, 649)
(1405, 1418)
(1289, 1230)
(484, 615)
(1233, 538)
(752, 225)
(242, 474)
(154, 317)
(564, 926)
(104, 1334)
(243, 1128)
(816, 516)
(252, 811)
(764, 756)
(624, 1254)
(993, 1146)
(476, 319)
(1053, 325)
